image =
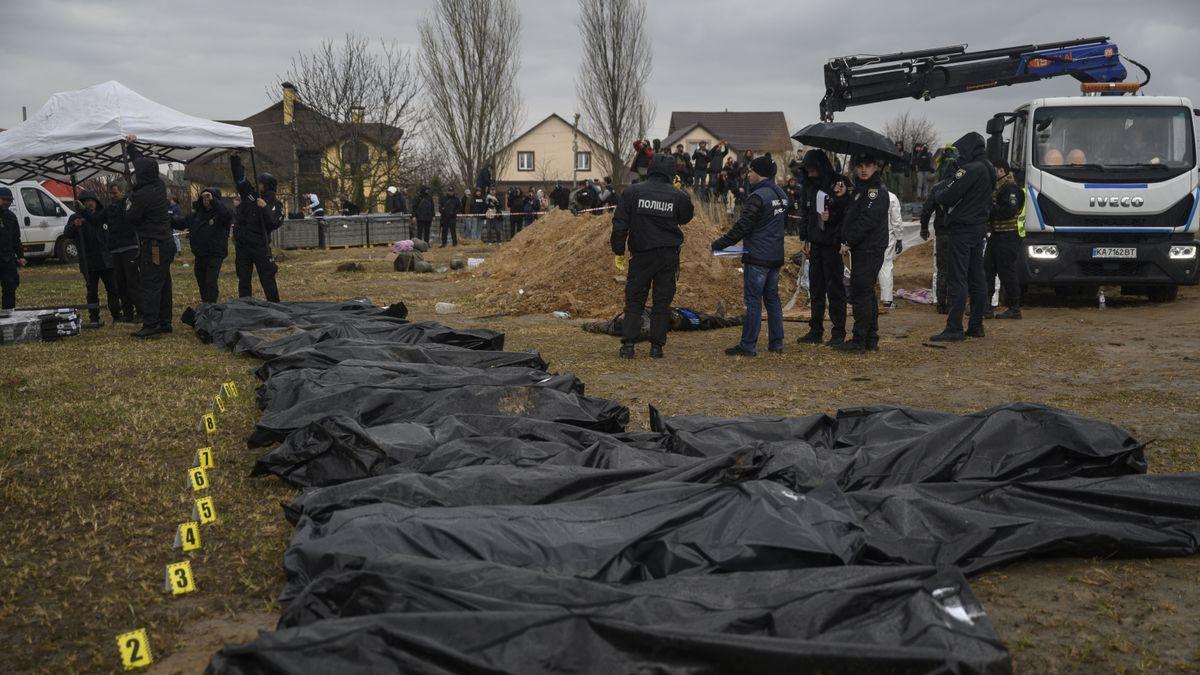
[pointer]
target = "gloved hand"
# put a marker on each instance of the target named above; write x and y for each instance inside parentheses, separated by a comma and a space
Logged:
(899, 247)
(619, 262)
(925, 231)
(235, 165)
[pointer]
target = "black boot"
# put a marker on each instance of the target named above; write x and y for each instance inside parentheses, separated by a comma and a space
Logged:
(977, 331)
(814, 337)
(737, 350)
(850, 347)
(146, 331)
(836, 339)
(948, 335)
(1010, 313)
(656, 351)
(989, 314)
(626, 352)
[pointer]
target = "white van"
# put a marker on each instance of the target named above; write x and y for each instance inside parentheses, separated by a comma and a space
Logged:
(42, 218)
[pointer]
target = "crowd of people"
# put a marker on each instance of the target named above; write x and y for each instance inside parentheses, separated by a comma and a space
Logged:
(127, 242)
(973, 204)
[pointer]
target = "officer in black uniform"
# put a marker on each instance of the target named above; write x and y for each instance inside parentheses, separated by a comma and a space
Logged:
(968, 199)
(12, 256)
(147, 214)
(208, 234)
(95, 260)
(258, 215)
(865, 238)
(820, 235)
(1004, 243)
(647, 220)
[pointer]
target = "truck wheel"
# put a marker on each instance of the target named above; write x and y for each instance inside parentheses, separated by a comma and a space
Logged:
(1163, 293)
(66, 250)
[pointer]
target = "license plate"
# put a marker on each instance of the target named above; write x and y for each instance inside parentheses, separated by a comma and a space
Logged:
(1110, 252)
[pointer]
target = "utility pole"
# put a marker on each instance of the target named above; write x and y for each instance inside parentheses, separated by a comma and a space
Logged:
(575, 152)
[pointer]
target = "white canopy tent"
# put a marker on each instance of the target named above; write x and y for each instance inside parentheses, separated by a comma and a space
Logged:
(78, 134)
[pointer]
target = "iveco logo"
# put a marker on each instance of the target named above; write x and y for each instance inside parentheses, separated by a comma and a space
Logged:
(1126, 202)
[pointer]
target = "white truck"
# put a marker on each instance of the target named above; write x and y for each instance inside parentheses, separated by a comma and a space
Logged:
(1110, 177)
(1112, 189)
(42, 218)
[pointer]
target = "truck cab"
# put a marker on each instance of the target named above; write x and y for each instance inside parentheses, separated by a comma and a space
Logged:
(1112, 189)
(42, 218)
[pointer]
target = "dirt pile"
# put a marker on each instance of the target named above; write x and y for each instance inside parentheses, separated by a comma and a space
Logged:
(564, 262)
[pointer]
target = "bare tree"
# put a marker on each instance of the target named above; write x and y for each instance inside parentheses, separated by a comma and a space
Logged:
(470, 55)
(365, 100)
(611, 86)
(910, 130)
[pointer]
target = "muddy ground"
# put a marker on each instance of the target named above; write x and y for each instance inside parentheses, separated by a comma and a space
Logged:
(1135, 364)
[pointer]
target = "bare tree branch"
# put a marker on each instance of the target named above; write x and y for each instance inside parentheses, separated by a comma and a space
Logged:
(611, 85)
(910, 130)
(469, 58)
(338, 80)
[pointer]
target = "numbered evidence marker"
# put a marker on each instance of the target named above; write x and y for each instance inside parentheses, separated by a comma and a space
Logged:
(220, 403)
(230, 388)
(204, 511)
(135, 649)
(210, 422)
(197, 478)
(187, 536)
(204, 457)
(179, 578)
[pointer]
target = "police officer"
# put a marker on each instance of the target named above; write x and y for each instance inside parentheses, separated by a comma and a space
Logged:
(967, 197)
(820, 236)
(258, 215)
(147, 214)
(1005, 231)
(760, 227)
(865, 238)
(12, 255)
(647, 221)
(124, 247)
(95, 260)
(208, 235)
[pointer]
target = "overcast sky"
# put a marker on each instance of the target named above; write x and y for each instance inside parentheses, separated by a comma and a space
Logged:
(215, 58)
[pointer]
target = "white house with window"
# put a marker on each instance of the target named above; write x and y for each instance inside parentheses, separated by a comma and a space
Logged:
(551, 151)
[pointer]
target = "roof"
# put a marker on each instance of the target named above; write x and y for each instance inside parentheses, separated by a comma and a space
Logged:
(88, 126)
(274, 141)
(742, 130)
(597, 144)
(681, 134)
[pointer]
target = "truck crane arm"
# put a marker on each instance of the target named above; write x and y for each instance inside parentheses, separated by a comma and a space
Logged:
(862, 79)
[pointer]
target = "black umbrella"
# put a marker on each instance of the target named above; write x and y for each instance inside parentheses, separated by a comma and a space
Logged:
(848, 138)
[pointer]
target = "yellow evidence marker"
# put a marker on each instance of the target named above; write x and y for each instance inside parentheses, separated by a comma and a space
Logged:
(135, 649)
(210, 422)
(204, 457)
(197, 478)
(179, 578)
(187, 536)
(204, 511)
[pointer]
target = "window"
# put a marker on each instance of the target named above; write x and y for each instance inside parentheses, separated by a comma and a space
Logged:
(583, 161)
(310, 162)
(1020, 127)
(38, 204)
(524, 161)
(1113, 141)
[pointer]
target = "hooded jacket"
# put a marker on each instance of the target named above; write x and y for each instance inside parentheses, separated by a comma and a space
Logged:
(89, 229)
(649, 213)
(255, 223)
(967, 195)
(147, 210)
(450, 208)
(812, 228)
(865, 225)
(423, 211)
(121, 236)
(10, 238)
(209, 230)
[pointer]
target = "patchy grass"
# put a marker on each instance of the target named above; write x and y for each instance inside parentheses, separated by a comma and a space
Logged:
(98, 431)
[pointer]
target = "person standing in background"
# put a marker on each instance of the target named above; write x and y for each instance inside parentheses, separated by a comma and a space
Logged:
(864, 237)
(895, 246)
(449, 214)
(147, 214)
(259, 214)
(123, 245)
(95, 260)
(423, 213)
(209, 238)
(12, 255)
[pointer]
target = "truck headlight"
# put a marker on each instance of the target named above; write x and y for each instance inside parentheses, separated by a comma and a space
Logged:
(1183, 252)
(1044, 251)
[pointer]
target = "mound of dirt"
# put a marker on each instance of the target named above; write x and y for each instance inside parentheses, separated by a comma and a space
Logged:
(564, 262)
